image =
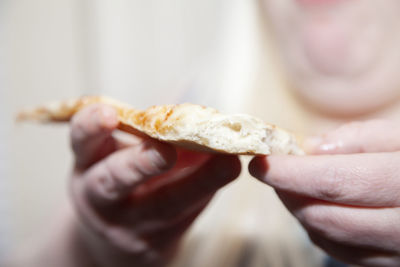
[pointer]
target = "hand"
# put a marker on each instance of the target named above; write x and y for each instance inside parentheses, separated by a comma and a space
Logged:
(135, 199)
(348, 202)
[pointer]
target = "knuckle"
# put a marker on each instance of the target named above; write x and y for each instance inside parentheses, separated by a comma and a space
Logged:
(104, 185)
(313, 219)
(326, 224)
(332, 189)
(319, 220)
(104, 188)
(117, 175)
(124, 175)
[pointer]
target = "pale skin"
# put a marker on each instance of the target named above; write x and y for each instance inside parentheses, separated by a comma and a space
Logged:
(135, 199)
(341, 58)
(345, 195)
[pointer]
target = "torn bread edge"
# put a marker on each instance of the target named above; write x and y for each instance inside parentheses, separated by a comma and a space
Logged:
(186, 125)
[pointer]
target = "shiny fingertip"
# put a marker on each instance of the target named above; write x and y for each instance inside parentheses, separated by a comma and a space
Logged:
(319, 145)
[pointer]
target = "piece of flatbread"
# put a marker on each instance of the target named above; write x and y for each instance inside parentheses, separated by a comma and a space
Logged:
(186, 125)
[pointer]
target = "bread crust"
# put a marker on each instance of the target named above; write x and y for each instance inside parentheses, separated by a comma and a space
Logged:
(187, 125)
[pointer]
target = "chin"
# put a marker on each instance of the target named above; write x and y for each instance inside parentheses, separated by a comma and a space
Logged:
(341, 57)
(346, 102)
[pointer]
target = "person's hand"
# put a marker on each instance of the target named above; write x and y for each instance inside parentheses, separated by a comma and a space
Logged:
(348, 202)
(135, 199)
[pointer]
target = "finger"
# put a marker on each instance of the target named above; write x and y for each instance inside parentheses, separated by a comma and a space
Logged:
(369, 228)
(125, 140)
(149, 223)
(187, 163)
(357, 137)
(355, 255)
(179, 198)
(166, 240)
(358, 179)
(114, 178)
(91, 131)
(133, 211)
(169, 237)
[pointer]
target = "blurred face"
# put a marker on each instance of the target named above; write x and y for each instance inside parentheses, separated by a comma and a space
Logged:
(342, 56)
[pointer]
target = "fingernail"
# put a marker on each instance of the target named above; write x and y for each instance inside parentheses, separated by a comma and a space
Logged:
(311, 144)
(162, 158)
(108, 116)
(258, 167)
(329, 147)
(320, 145)
(156, 158)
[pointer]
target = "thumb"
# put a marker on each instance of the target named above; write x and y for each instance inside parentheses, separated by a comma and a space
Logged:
(357, 137)
(91, 130)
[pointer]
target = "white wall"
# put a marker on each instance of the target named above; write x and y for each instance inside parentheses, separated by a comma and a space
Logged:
(5, 222)
(41, 62)
(143, 52)
(152, 50)
(158, 51)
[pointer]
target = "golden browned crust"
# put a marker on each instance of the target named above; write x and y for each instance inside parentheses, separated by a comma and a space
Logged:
(63, 111)
(184, 125)
(156, 120)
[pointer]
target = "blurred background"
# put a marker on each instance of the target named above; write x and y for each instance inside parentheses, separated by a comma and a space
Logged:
(146, 52)
(141, 52)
